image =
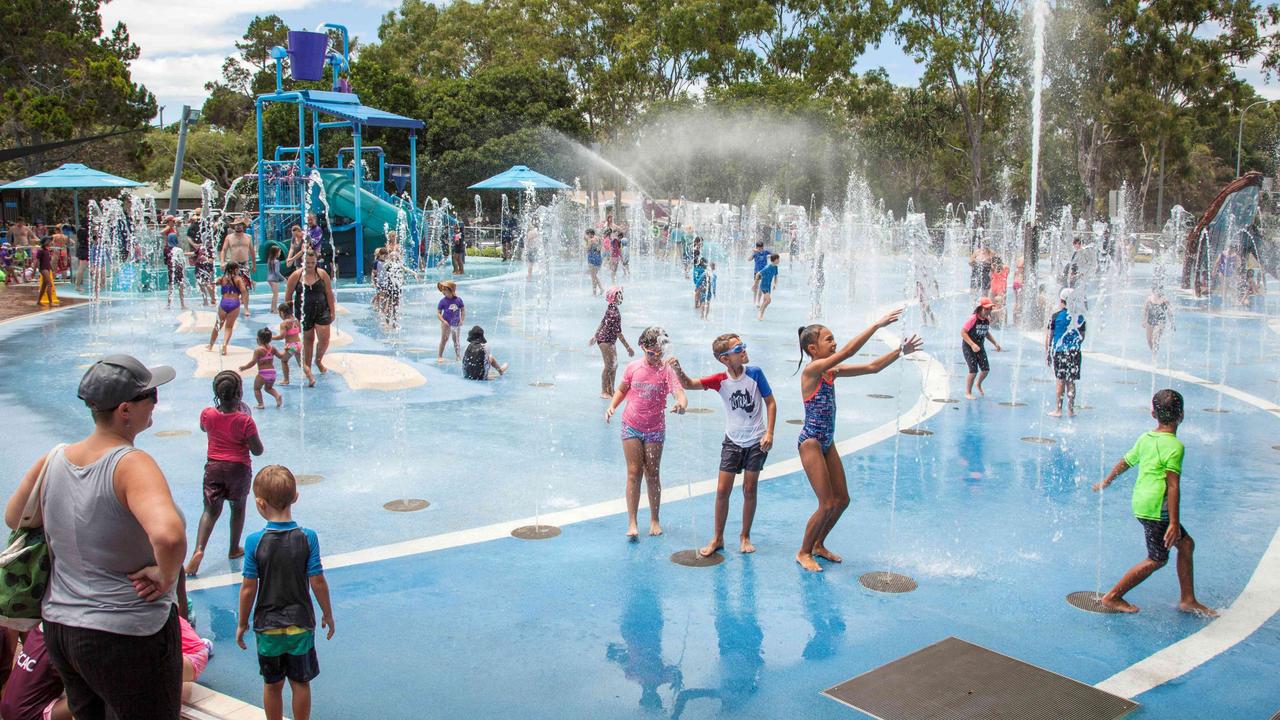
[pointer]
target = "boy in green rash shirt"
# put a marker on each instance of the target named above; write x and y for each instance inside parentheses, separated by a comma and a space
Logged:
(1157, 505)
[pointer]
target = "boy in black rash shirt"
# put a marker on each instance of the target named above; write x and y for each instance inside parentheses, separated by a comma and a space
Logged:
(280, 561)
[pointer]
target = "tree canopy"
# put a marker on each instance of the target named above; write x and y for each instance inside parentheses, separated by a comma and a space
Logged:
(723, 98)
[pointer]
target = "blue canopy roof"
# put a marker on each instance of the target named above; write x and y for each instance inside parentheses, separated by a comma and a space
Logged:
(347, 106)
(520, 177)
(71, 175)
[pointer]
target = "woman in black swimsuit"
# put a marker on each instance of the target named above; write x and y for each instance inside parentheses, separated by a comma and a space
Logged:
(314, 304)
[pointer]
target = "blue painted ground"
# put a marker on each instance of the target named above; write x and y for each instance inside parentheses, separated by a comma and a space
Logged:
(997, 531)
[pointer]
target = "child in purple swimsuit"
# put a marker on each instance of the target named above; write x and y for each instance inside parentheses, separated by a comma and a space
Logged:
(645, 385)
(818, 453)
(264, 356)
(234, 295)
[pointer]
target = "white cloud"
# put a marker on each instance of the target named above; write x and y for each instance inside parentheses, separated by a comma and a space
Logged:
(183, 43)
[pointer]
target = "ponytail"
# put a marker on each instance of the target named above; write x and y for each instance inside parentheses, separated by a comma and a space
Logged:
(227, 389)
(808, 334)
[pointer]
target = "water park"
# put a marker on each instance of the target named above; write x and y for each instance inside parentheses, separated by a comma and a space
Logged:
(516, 520)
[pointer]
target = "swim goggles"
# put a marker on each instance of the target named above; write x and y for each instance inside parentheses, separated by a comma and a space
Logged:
(739, 348)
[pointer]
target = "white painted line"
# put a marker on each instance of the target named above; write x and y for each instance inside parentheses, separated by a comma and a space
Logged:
(935, 385)
(1255, 605)
(1259, 600)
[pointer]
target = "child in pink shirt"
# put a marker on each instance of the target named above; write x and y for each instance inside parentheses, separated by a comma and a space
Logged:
(645, 385)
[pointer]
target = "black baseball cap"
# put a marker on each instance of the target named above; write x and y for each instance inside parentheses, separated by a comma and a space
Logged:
(120, 378)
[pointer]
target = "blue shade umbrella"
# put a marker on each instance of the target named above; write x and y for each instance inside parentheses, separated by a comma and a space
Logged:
(520, 177)
(71, 176)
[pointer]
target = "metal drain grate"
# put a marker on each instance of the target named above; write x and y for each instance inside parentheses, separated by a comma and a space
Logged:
(310, 479)
(1038, 440)
(1125, 382)
(1220, 411)
(535, 532)
(699, 411)
(795, 421)
(957, 680)
(915, 431)
(879, 396)
(541, 384)
(1042, 381)
(406, 505)
(172, 433)
(887, 582)
(1013, 404)
(691, 558)
(1087, 600)
(948, 401)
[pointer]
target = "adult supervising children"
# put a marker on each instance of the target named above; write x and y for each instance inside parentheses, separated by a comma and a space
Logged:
(1157, 496)
(1063, 338)
(749, 415)
(975, 332)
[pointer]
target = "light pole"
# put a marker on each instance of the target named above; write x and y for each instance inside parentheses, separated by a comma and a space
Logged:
(1240, 132)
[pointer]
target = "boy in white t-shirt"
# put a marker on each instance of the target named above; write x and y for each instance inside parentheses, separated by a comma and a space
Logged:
(748, 437)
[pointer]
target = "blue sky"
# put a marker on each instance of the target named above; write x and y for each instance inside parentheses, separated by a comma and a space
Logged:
(184, 42)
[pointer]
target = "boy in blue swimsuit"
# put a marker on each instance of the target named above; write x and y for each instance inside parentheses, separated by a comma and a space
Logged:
(280, 562)
(768, 280)
(748, 399)
(760, 258)
(1157, 505)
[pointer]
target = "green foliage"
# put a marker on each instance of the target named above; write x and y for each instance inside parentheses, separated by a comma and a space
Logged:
(212, 153)
(62, 76)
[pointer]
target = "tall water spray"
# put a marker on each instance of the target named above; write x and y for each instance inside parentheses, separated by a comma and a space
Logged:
(1039, 9)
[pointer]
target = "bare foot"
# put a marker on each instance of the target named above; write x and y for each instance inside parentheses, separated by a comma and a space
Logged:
(279, 402)
(236, 553)
(284, 382)
(826, 554)
(969, 396)
(1117, 604)
(440, 361)
(808, 563)
(224, 349)
(606, 396)
(260, 406)
(193, 565)
(746, 546)
(633, 533)
(1194, 607)
(982, 392)
(711, 549)
(1056, 413)
(502, 369)
(321, 367)
(655, 529)
(209, 348)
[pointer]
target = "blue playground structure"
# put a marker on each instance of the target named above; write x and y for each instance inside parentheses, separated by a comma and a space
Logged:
(360, 209)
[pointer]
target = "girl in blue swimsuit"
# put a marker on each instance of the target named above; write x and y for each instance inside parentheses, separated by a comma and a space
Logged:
(234, 295)
(818, 453)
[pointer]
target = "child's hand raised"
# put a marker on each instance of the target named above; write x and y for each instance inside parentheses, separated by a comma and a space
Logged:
(912, 344)
(891, 318)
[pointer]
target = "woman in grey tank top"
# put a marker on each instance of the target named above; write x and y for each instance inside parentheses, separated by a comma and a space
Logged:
(118, 542)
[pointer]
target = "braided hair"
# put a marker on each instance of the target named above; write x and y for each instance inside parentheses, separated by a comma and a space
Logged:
(227, 389)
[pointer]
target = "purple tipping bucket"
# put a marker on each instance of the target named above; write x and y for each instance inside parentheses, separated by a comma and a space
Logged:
(307, 54)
